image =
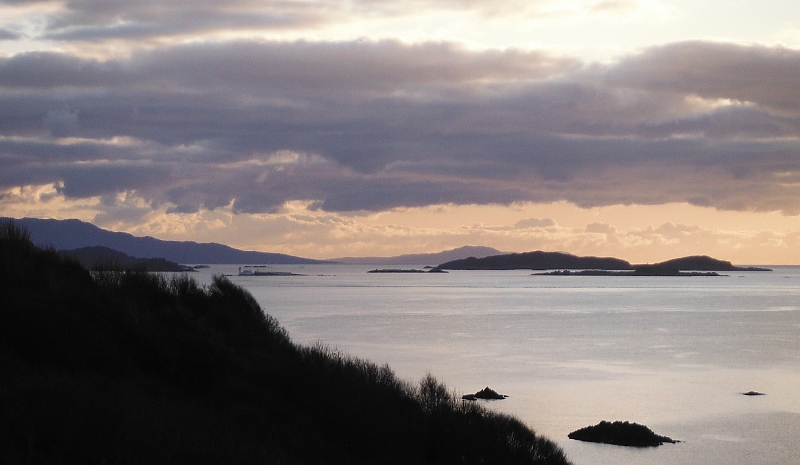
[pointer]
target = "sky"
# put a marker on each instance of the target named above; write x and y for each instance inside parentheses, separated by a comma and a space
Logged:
(640, 129)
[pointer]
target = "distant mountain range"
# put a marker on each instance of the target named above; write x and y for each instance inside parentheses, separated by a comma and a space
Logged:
(69, 235)
(76, 234)
(423, 258)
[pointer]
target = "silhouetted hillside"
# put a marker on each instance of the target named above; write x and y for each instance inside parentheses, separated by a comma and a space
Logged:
(75, 234)
(537, 261)
(423, 258)
(132, 367)
(103, 258)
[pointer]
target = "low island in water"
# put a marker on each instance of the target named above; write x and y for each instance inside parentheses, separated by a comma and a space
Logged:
(696, 265)
(654, 272)
(407, 270)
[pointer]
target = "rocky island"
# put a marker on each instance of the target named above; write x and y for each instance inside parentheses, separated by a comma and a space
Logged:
(621, 433)
(485, 394)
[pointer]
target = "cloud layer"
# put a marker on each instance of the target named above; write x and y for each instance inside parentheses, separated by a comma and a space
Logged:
(374, 125)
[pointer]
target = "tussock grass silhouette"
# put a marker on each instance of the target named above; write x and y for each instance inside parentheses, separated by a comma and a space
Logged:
(132, 367)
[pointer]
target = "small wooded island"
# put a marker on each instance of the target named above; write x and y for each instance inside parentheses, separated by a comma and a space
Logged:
(135, 367)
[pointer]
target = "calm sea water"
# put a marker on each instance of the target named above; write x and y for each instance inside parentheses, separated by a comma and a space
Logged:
(673, 353)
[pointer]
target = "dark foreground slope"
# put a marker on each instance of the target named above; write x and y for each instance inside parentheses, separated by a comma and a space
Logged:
(134, 368)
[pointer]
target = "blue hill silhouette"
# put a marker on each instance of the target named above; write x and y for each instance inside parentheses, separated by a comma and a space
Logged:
(75, 234)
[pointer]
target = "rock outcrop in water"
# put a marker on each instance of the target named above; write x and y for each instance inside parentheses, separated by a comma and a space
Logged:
(620, 433)
(485, 394)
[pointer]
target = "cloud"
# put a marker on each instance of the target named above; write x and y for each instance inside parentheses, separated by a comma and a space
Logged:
(62, 122)
(7, 34)
(323, 234)
(95, 20)
(756, 74)
(535, 223)
(601, 228)
(52, 70)
(614, 6)
(375, 125)
(100, 20)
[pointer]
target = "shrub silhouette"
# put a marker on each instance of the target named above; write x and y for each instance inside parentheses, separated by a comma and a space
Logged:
(131, 367)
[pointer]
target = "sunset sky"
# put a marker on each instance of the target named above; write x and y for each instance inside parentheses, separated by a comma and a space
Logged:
(641, 129)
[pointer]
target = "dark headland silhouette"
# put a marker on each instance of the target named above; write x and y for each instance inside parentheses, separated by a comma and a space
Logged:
(105, 259)
(135, 367)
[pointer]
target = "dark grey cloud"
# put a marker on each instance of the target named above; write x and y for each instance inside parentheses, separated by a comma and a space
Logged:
(90, 181)
(97, 20)
(62, 122)
(100, 20)
(375, 125)
(765, 76)
(7, 34)
(51, 70)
